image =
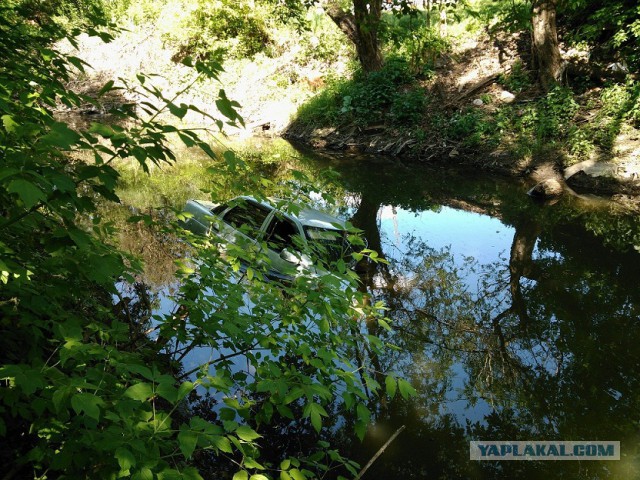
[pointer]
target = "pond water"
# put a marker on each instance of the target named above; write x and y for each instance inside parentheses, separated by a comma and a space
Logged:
(514, 320)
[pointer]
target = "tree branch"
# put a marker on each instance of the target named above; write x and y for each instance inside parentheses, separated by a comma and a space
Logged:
(344, 20)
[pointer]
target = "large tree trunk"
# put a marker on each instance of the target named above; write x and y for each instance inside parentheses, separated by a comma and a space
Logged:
(361, 28)
(546, 52)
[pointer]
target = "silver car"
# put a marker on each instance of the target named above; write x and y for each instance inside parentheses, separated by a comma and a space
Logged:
(294, 242)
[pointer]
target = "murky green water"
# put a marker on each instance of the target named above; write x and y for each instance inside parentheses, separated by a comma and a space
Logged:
(515, 320)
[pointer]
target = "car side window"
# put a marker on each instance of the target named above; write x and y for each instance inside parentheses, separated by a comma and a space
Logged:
(247, 217)
(280, 234)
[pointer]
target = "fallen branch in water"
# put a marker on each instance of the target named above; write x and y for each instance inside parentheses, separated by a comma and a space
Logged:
(379, 452)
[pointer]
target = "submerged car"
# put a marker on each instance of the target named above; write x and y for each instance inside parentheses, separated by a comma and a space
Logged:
(292, 239)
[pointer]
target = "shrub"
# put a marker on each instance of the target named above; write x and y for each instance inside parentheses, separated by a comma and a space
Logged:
(408, 107)
(204, 27)
(384, 96)
(84, 392)
(412, 38)
(517, 80)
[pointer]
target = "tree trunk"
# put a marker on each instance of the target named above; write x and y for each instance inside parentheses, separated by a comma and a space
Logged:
(521, 264)
(361, 28)
(546, 52)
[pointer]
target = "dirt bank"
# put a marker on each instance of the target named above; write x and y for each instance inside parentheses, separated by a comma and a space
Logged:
(469, 79)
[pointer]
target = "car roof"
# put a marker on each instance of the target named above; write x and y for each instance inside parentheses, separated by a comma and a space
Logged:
(307, 216)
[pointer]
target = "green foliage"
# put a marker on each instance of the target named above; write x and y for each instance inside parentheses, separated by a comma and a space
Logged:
(611, 27)
(199, 28)
(407, 108)
(387, 95)
(471, 126)
(205, 27)
(500, 16)
(551, 117)
(85, 392)
(321, 40)
(617, 107)
(412, 38)
(533, 125)
(621, 102)
(517, 80)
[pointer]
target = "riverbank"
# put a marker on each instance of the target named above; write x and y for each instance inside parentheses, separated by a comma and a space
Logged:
(481, 110)
(617, 176)
(472, 103)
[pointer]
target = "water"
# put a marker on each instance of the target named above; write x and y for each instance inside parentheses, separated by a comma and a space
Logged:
(515, 320)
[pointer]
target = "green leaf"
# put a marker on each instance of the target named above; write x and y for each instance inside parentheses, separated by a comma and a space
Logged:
(140, 370)
(187, 441)
(126, 460)
(251, 463)
(9, 124)
(206, 148)
(143, 474)
(170, 474)
(361, 429)
(391, 386)
(232, 160)
(184, 390)
(297, 474)
(221, 443)
(166, 389)
(228, 107)
(406, 390)
(258, 476)
(349, 399)
(80, 238)
(29, 193)
(7, 172)
(77, 62)
(285, 411)
(107, 87)
(363, 413)
(241, 475)
(316, 421)
(187, 140)
(190, 473)
(285, 464)
(324, 325)
(61, 182)
(316, 412)
(139, 391)
(383, 323)
(179, 112)
(247, 433)
(87, 403)
(60, 396)
(101, 129)
(60, 136)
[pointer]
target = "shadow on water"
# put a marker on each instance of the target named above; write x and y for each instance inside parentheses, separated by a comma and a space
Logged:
(513, 321)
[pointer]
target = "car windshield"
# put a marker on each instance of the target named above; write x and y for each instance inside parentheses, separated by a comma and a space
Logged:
(332, 245)
(247, 217)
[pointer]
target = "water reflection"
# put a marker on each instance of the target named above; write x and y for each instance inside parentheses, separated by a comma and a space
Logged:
(514, 321)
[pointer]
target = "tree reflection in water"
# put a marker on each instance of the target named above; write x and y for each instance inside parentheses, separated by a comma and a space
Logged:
(538, 343)
(542, 345)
